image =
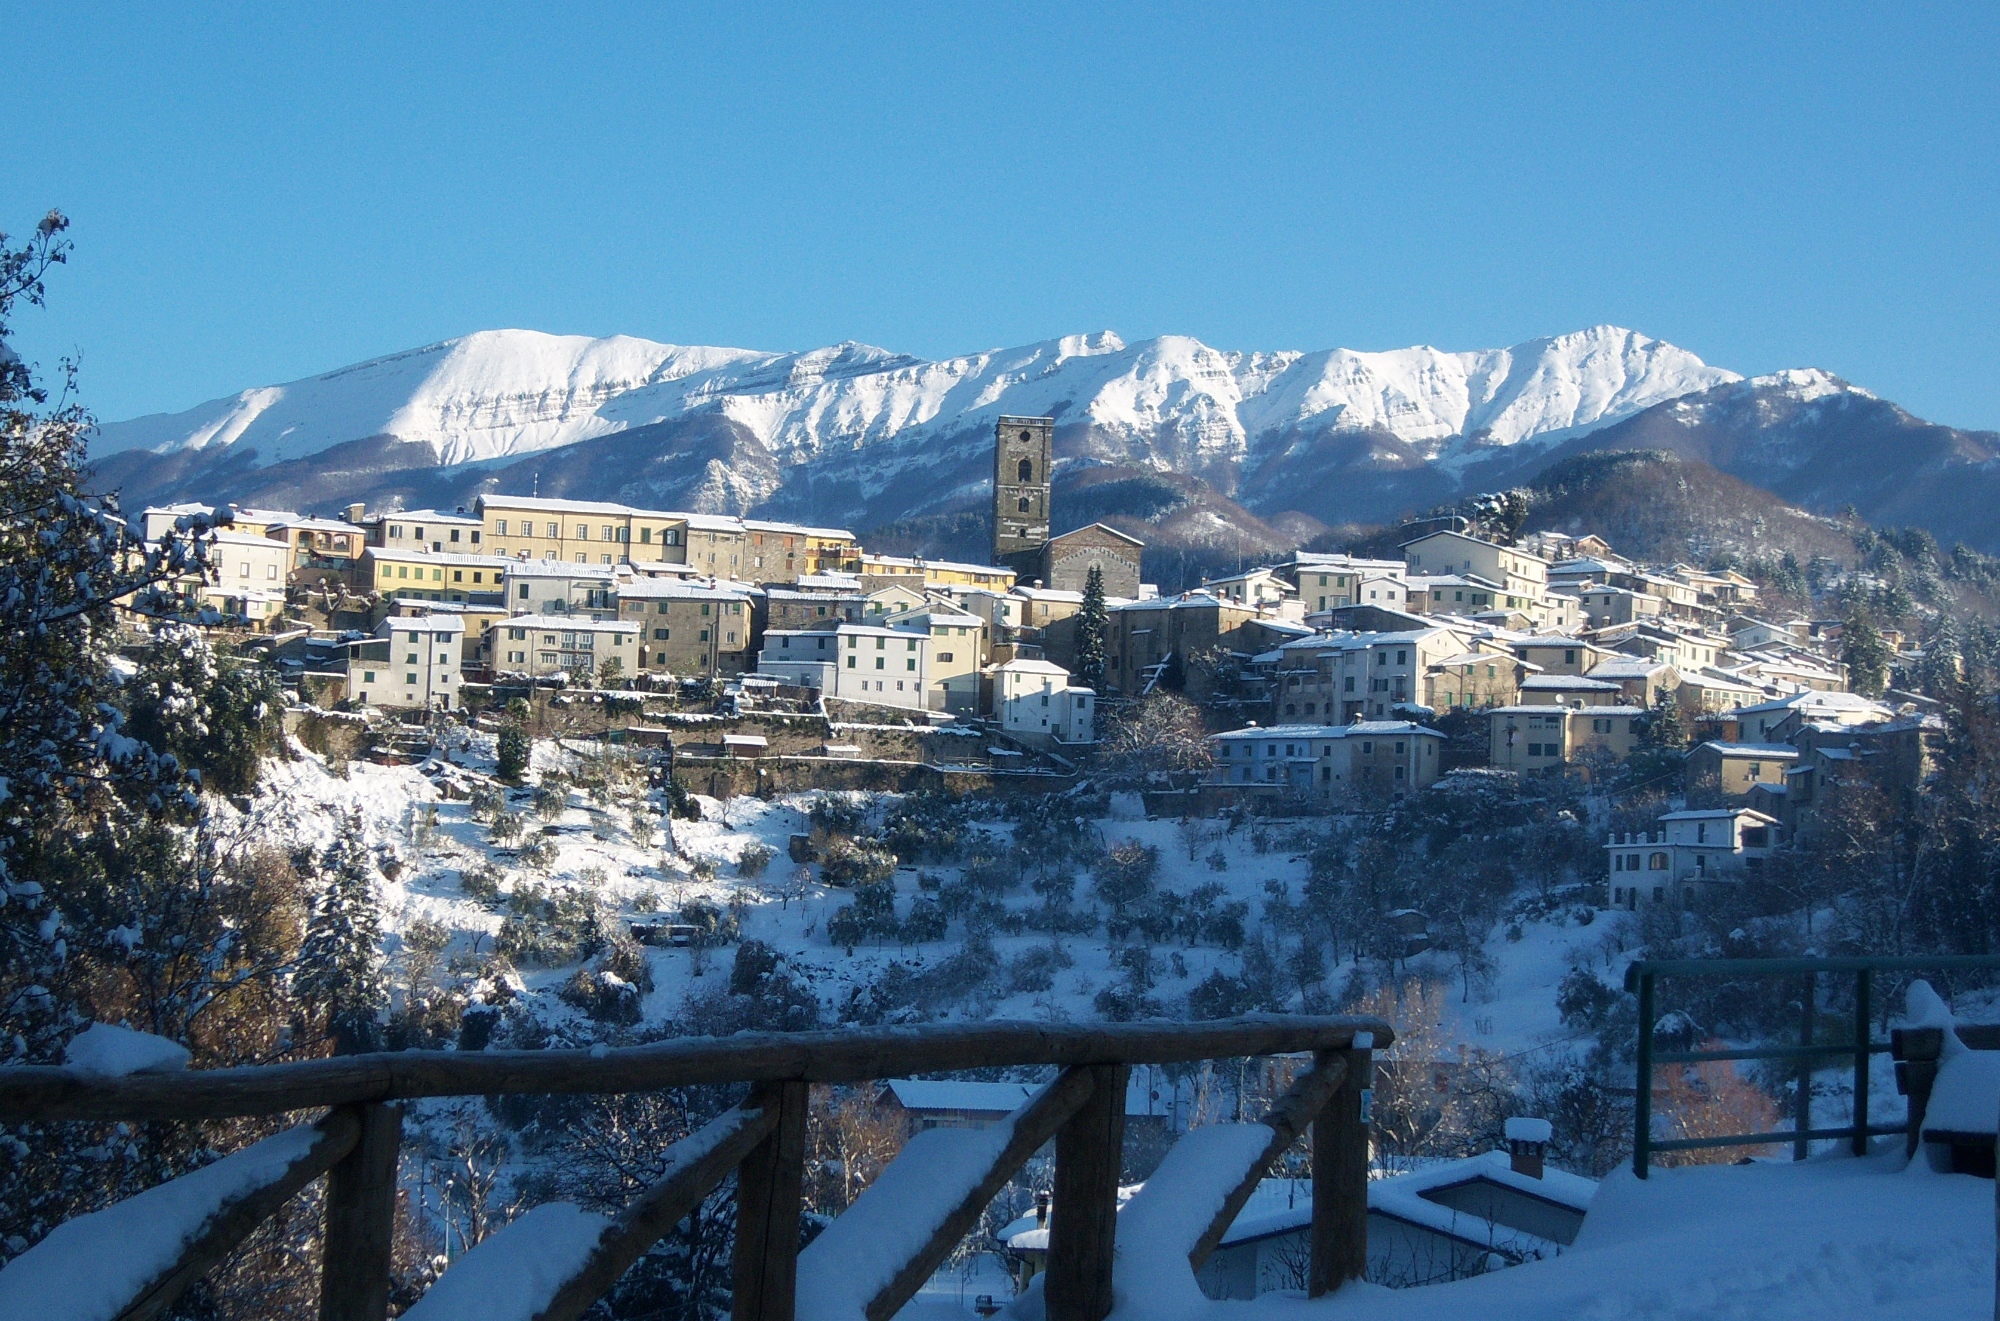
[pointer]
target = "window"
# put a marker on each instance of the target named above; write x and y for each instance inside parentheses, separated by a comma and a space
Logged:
(944, 658)
(1534, 749)
(608, 536)
(583, 532)
(880, 663)
(1024, 504)
(409, 678)
(645, 536)
(1026, 471)
(368, 676)
(1658, 862)
(500, 526)
(850, 662)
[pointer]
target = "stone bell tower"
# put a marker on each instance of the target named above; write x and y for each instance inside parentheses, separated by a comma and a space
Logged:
(1023, 451)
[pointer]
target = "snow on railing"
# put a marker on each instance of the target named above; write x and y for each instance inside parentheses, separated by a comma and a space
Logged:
(559, 1259)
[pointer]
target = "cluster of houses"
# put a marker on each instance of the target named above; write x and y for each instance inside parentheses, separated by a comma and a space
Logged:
(534, 588)
(407, 606)
(1561, 648)
(1554, 648)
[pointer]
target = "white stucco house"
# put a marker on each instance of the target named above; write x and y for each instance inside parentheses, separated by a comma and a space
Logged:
(1036, 704)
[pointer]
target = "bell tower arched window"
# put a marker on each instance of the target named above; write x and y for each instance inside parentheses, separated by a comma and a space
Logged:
(1027, 470)
(1024, 504)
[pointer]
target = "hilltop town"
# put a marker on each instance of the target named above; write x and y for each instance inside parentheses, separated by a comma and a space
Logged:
(1323, 681)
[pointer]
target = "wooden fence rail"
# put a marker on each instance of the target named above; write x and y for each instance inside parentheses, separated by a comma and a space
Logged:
(762, 1141)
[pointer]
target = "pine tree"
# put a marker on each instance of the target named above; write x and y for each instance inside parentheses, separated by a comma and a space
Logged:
(1866, 656)
(1091, 622)
(340, 975)
(70, 773)
(1941, 669)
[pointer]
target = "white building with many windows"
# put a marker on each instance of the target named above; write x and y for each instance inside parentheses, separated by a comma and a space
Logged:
(539, 646)
(412, 663)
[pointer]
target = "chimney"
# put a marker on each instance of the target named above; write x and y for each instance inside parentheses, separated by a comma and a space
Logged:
(355, 512)
(1041, 1210)
(1527, 1141)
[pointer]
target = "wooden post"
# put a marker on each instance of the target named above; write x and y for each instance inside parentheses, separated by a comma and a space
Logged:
(361, 1220)
(1861, 1020)
(1340, 1178)
(1642, 1101)
(1083, 1223)
(1802, 1111)
(766, 1266)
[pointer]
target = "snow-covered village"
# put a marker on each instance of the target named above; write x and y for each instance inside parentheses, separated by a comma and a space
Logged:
(545, 826)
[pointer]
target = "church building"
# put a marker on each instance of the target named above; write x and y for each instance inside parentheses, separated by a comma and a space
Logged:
(1023, 463)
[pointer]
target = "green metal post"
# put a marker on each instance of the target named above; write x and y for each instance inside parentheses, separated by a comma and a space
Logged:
(1861, 1016)
(1803, 1114)
(1642, 1103)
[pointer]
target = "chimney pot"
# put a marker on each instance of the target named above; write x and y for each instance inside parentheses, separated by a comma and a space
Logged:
(1042, 1209)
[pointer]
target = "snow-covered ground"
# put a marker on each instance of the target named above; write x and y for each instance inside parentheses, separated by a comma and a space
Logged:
(1835, 1237)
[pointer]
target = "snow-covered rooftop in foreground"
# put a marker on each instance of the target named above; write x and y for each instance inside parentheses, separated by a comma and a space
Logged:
(1857, 1240)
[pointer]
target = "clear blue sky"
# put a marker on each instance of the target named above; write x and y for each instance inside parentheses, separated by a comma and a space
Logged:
(261, 196)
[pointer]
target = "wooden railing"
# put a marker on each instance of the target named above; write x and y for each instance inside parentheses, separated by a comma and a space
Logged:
(355, 1143)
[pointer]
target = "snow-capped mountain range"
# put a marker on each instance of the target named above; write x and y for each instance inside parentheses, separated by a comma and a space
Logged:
(506, 393)
(861, 435)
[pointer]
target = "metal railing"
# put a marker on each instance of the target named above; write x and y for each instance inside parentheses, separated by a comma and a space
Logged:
(1641, 977)
(354, 1140)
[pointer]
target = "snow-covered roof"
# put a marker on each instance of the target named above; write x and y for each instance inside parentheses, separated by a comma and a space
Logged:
(1717, 814)
(560, 569)
(1635, 668)
(1375, 728)
(1568, 683)
(1530, 710)
(1817, 701)
(547, 505)
(1280, 1206)
(674, 589)
(1025, 665)
(1761, 751)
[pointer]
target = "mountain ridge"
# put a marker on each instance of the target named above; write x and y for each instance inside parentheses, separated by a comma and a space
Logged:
(858, 434)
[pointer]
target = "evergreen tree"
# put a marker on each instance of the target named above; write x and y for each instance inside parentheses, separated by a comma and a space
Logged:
(340, 975)
(217, 718)
(1940, 670)
(70, 773)
(1866, 656)
(1091, 622)
(513, 753)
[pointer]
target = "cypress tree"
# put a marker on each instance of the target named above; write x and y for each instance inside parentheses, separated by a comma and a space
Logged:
(512, 754)
(1090, 628)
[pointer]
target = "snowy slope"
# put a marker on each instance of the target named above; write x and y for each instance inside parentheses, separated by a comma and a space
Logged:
(503, 393)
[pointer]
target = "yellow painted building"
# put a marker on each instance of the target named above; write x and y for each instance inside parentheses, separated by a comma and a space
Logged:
(597, 532)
